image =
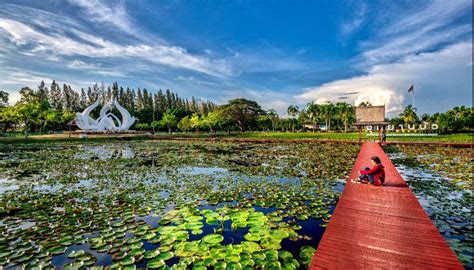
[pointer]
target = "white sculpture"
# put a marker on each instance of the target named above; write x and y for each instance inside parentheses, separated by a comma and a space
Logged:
(107, 120)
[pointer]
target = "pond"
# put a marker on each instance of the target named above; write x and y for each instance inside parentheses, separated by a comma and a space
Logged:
(172, 205)
(441, 179)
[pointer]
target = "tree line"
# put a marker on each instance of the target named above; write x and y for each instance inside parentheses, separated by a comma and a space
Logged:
(457, 119)
(53, 108)
(50, 109)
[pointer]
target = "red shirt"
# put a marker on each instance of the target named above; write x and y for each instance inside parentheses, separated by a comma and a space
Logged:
(378, 172)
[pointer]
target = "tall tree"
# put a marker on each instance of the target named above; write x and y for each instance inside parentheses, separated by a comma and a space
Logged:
(327, 110)
(169, 120)
(83, 100)
(312, 109)
(346, 112)
(3, 98)
(42, 92)
(272, 114)
(292, 111)
(409, 115)
(243, 111)
(55, 96)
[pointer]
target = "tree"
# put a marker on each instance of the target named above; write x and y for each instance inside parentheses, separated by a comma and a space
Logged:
(83, 100)
(27, 113)
(242, 111)
(292, 111)
(264, 122)
(142, 126)
(211, 120)
(169, 120)
(9, 118)
(409, 115)
(302, 116)
(326, 111)
(55, 97)
(3, 98)
(312, 109)
(365, 104)
(42, 92)
(346, 112)
(272, 114)
(185, 124)
(196, 122)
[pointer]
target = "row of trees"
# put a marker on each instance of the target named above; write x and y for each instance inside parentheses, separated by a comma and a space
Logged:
(53, 109)
(459, 118)
(339, 115)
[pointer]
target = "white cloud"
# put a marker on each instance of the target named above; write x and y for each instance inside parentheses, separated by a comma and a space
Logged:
(348, 27)
(95, 69)
(433, 74)
(31, 40)
(424, 29)
(421, 46)
(78, 64)
(97, 11)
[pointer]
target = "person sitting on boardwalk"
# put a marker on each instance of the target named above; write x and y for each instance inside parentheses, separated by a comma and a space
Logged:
(376, 175)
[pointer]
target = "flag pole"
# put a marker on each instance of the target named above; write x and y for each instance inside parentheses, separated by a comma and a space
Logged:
(413, 98)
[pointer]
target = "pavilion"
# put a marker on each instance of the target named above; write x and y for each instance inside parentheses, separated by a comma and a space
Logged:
(373, 116)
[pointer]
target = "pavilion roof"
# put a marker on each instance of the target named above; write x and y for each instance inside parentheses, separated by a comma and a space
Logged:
(370, 115)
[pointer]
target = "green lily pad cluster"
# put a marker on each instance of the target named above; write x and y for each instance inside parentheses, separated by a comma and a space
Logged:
(165, 205)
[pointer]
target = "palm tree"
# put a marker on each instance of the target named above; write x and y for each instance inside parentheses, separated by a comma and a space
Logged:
(272, 114)
(409, 115)
(346, 112)
(302, 117)
(327, 110)
(365, 104)
(312, 110)
(293, 111)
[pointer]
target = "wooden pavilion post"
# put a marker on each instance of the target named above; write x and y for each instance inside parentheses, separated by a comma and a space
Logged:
(359, 128)
(380, 133)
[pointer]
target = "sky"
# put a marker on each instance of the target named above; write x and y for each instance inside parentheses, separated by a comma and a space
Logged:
(274, 52)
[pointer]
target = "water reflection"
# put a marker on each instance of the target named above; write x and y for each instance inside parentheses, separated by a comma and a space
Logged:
(7, 185)
(105, 152)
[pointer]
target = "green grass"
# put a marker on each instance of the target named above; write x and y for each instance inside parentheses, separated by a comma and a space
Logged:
(66, 138)
(352, 136)
(459, 138)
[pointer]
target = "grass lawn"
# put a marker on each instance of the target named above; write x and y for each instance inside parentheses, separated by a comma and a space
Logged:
(459, 138)
(353, 136)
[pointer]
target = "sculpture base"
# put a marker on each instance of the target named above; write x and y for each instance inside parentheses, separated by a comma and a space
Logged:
(105, 132)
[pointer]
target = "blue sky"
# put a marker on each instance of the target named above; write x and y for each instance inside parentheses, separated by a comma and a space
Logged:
(275, 52)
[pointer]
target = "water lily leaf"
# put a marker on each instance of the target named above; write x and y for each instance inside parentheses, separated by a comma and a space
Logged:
(57, 250)
(279, 233)
(155, 263)
(150, 254)
(252, 237)
(213, 239)
(164, 255)
(127, 260)
(250, 246)
(73, 265)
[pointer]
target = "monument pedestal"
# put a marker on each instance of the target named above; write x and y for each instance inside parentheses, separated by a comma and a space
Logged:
(104, 132)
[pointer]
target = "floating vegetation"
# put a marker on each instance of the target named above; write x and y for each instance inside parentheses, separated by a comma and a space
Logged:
(434, 173)
(167, 204)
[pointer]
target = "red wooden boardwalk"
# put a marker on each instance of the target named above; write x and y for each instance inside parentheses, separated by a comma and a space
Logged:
(381, 227)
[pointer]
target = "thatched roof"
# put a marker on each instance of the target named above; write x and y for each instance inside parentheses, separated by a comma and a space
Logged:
(370, 115)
